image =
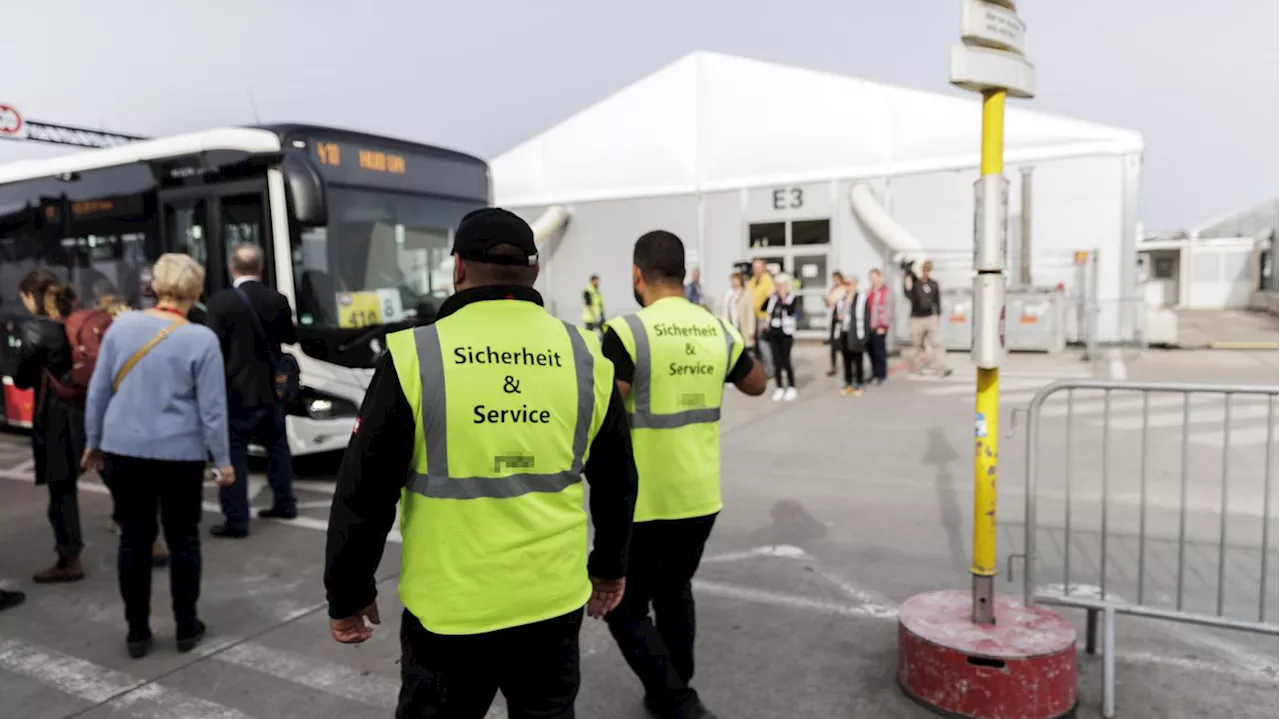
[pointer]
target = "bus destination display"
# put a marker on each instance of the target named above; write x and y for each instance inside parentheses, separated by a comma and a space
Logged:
(351, 162)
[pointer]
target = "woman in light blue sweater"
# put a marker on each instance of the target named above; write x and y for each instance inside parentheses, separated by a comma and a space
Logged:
(156, 411)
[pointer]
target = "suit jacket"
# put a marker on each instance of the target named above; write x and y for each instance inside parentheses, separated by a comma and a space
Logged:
(250, 384)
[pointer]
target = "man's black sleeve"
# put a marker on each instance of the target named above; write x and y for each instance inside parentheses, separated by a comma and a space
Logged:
(624, 368)
(374, 470)
(286, 330)
(586, 298)
(611, 472)
(740, 369)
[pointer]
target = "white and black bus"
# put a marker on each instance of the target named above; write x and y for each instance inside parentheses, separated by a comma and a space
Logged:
(356, 231)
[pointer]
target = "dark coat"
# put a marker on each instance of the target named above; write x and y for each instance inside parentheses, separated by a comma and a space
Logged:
(849, 338)
(248, 361)
(57, 429)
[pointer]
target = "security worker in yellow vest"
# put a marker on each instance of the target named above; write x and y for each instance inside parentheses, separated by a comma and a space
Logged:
(593, 305)
(673, 359)
(481, 426)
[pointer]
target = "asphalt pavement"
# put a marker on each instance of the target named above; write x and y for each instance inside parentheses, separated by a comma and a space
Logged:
(836, 510)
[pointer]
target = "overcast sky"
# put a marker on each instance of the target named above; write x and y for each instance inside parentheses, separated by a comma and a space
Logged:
(1198, 78)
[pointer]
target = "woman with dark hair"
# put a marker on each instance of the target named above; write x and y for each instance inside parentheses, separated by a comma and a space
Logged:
(57, 432)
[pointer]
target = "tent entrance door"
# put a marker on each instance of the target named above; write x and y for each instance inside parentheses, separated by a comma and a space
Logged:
(802, 249)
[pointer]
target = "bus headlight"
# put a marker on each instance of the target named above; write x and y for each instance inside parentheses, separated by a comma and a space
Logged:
(315, 404)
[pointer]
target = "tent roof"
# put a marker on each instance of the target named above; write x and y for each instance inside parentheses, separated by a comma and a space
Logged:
(710, 121)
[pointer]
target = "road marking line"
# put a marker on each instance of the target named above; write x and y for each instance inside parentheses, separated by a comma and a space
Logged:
(968, 389)
(774, 550)
(91, 682)
(1243, 437)
(1115, 365)
(793, 601)
(335, 679)
(318, 504)
(1203, 415)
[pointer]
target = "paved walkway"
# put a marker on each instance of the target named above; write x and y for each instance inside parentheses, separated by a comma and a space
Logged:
(1227, 329)
(836, 510)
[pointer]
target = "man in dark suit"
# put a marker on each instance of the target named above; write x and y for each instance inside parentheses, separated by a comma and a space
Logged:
(255, 413)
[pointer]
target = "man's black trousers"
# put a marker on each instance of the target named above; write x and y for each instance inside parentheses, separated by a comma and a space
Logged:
(535, 666)
(664, 557)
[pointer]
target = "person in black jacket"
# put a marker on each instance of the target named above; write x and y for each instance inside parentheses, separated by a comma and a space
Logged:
(241, 316)
(57, 431)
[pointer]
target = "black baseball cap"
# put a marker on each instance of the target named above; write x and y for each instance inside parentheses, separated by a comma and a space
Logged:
(481, 230)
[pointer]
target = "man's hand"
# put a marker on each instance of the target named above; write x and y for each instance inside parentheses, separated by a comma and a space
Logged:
(226, 476)
(92, 460)
(879, 330)
(908, 283)
(353, 630)
(605, 596)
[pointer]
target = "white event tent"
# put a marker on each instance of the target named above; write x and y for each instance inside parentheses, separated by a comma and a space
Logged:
(813, 172)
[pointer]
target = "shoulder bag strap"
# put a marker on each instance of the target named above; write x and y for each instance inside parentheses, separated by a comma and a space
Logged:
(143, 350)
(258, 329)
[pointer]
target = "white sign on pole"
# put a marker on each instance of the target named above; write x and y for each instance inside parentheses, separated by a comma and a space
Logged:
(981, 68)
(11, 123)
(990, 25)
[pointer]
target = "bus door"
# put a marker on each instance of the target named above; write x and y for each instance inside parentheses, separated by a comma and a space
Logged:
(207, 222)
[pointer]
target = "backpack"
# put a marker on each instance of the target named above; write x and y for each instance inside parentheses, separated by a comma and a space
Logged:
(85, 330)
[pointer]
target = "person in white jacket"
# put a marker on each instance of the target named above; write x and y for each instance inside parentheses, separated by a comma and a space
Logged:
(782, 313)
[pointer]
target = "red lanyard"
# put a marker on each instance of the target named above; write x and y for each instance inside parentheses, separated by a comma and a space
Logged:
(172, 311)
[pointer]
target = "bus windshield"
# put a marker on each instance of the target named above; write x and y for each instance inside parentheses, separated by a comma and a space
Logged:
(383, 258)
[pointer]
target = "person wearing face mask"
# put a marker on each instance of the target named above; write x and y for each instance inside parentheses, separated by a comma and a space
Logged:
(672, 360)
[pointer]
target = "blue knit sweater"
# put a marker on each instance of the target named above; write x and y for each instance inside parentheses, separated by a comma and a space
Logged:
(173, 403)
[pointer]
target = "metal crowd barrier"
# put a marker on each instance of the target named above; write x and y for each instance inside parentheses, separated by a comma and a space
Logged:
(1099, 600)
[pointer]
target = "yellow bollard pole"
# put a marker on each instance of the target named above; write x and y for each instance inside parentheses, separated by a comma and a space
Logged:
(987, 407)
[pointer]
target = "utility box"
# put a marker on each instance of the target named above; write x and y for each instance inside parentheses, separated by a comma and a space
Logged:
(1036, 321)
(956, 328)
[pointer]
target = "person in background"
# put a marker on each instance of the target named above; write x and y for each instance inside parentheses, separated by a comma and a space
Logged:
(740, 311)
(115, 307)
(251, 321)
(781, 310)
(761, 287)
(593, 306)
(57, 432)
(838, 290)
(693, 290)
(156, 409)
(855, 330)
(925, 323)
(678, 461)
(878, 308)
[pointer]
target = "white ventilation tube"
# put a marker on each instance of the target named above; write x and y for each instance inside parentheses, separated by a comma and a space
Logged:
(547, 224)
(867, 208)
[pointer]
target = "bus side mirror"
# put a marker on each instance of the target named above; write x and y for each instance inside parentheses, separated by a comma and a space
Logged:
(305, 191)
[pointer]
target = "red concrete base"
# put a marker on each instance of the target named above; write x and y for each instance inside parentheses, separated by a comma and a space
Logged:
(1023, 667)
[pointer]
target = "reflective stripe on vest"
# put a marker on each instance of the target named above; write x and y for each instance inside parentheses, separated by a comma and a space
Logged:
(438, 483)
(641, 389)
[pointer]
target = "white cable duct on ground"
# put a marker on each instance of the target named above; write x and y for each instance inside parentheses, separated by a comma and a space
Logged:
(873, 215)
(548, 223)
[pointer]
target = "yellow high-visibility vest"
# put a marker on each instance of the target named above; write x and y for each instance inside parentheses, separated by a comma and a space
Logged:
(682, 355)
(593, 311)
(507, 400)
